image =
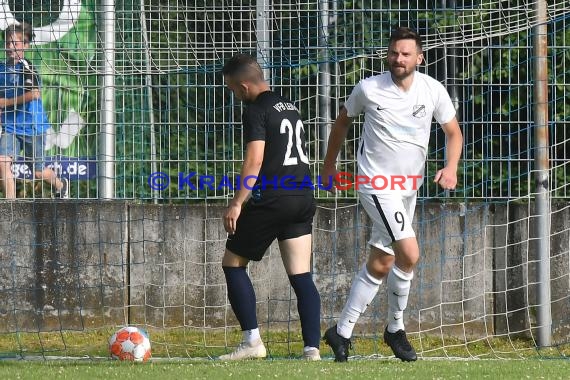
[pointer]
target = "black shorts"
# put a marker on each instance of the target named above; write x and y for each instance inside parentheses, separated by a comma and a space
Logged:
(278, 217)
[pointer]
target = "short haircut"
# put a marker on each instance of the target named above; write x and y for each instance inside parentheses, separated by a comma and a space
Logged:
(403, 33)
(23, 28)
(243, 67)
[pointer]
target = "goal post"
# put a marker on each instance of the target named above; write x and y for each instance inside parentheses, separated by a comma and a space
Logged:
(544, 316)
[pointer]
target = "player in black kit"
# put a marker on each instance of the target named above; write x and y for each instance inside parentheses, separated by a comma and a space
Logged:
(279, 207)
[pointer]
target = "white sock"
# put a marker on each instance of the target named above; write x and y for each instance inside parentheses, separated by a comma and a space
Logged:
(309, 348)
(398, 283)
(251, 336)
(362, 291)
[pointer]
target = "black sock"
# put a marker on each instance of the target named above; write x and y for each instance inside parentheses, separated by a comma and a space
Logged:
(309, 307)
(241, 296)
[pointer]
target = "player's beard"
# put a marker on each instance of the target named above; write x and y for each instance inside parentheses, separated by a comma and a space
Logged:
(400, 74)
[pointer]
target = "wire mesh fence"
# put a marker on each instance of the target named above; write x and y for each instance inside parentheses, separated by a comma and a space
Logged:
(174, 116)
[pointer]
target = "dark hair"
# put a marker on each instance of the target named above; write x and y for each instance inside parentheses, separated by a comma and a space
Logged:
(403, 33)
(243, 67)
(23, 28)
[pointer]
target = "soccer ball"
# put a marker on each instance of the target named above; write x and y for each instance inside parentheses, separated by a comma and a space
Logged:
(130, 343)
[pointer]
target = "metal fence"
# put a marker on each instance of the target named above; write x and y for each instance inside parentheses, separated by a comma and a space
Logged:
(133, 88)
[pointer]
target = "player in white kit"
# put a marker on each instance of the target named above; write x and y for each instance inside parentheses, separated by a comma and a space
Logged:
(398, 108)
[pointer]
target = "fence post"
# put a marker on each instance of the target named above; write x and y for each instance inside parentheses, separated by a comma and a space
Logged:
(106, 149)
(541, 160)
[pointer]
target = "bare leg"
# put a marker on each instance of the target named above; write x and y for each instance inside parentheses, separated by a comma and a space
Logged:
(7, 178)
(296, 254)
(49, 176)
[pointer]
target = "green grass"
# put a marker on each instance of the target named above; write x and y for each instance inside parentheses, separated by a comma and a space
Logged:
(492, 358)
(289, 369)
(193, 343)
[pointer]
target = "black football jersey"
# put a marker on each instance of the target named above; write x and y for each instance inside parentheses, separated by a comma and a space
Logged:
(277, 121)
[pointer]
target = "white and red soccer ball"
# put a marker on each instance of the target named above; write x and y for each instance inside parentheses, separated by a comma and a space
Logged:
(130, 343)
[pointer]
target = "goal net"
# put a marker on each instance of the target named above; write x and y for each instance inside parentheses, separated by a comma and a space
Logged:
(72, 272)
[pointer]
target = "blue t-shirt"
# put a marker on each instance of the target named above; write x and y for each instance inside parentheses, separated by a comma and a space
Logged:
(23, 119)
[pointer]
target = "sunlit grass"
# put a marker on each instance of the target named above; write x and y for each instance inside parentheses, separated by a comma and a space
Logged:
(287, 369)
(193, 343)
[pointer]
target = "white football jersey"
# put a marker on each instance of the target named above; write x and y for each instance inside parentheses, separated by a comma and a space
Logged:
(396, 129)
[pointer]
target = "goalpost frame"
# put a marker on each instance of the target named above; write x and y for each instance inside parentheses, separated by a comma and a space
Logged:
(263, 36)
(107, 133)
(541, 160)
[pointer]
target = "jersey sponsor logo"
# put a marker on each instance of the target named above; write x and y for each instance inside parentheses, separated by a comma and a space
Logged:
(380, 108)
(419, 111)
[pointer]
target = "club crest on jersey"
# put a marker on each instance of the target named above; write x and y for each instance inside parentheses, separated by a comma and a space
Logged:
(419, 111)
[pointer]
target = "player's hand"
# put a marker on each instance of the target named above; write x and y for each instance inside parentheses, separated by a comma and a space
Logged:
(328, 176)
(446, 178)
(230, 217)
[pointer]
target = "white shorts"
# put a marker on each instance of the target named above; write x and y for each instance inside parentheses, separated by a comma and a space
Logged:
(391, 216)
